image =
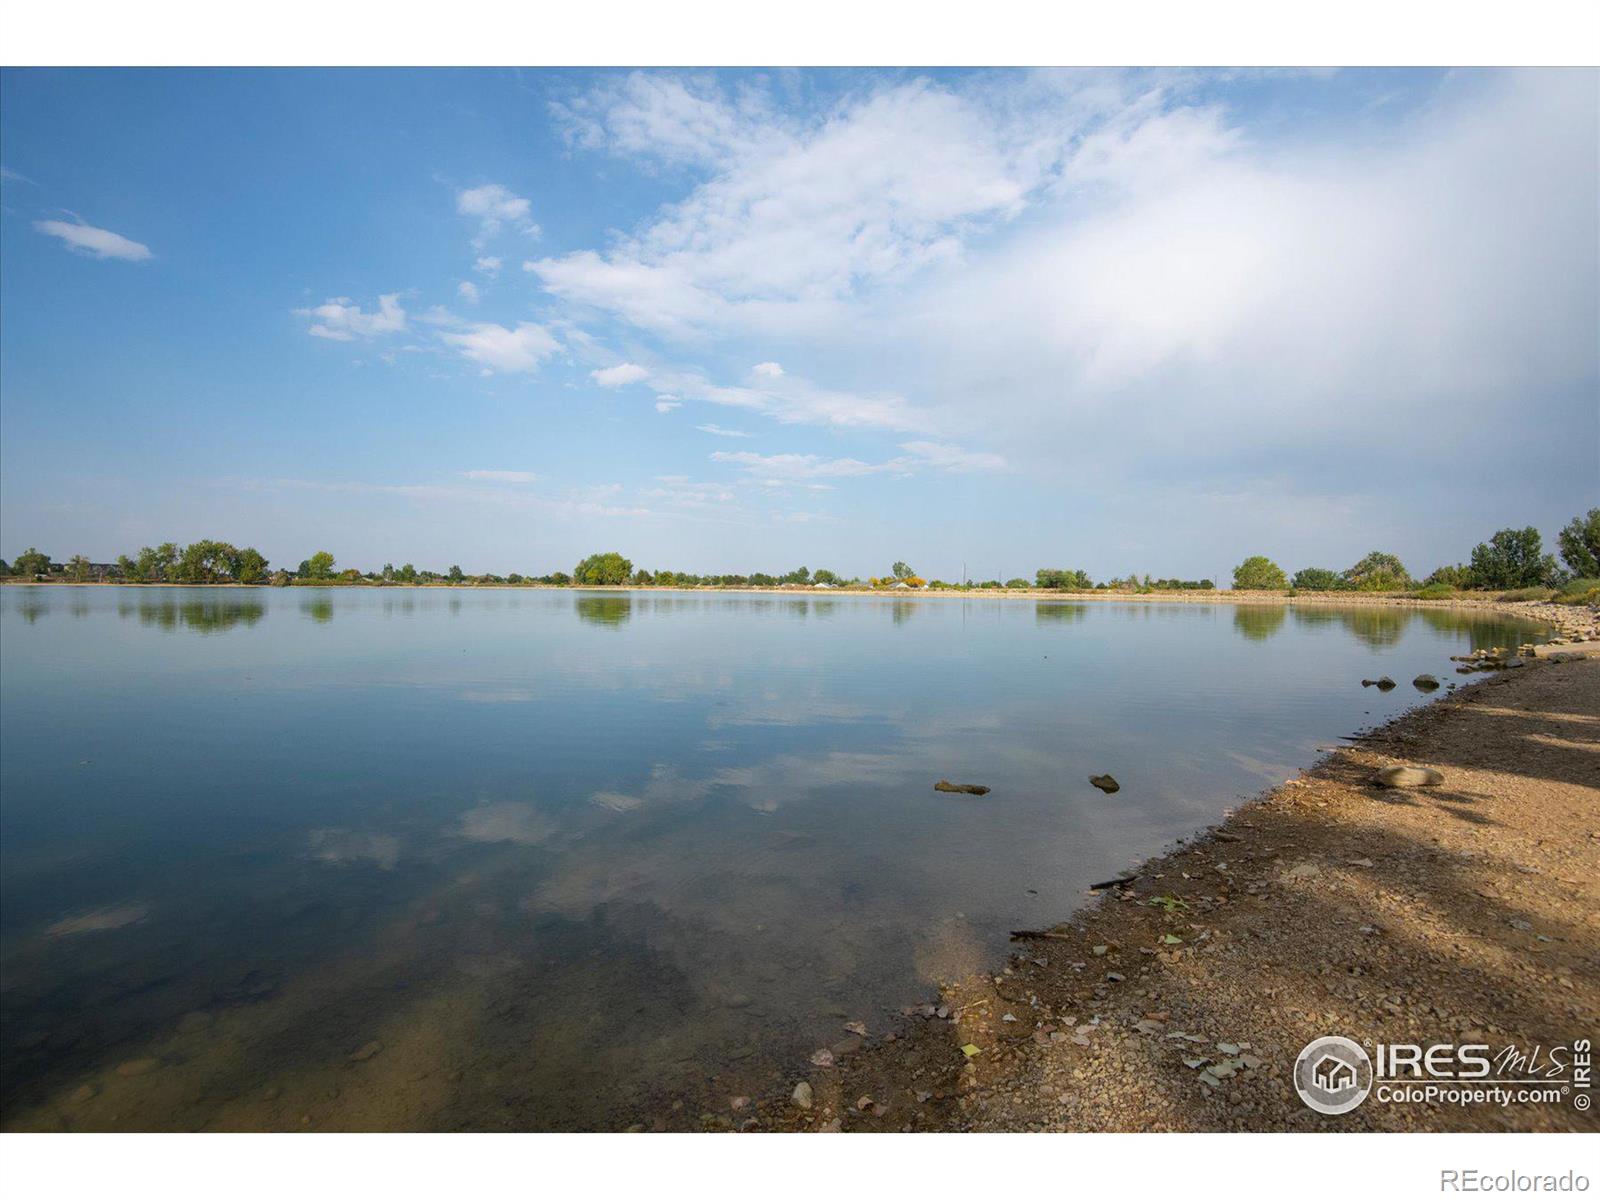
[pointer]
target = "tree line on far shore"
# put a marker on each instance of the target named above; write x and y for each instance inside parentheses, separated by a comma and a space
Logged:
(1512, 562)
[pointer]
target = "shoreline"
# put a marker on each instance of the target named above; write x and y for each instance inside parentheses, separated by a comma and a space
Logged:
(1325, 905)
(1547, 612)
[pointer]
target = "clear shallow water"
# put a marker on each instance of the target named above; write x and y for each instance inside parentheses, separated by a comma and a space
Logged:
(567, 857)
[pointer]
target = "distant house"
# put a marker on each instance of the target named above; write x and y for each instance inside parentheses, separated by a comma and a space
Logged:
(1333, 1074)
(903, 587)
(823, 585)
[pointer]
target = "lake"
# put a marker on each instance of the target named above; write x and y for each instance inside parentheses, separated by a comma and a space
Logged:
(492, 859)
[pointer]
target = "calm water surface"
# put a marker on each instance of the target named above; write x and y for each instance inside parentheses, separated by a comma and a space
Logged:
(438, 859)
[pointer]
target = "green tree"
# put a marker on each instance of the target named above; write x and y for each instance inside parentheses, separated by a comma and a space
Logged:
(1378, 572)
(605, 570)
(1513, 558)
(157, 564)
(30, 563)
(455, 575)
(318, 566)
(1580, 545)
(823, 575)
(1259, 573)
(406, 574)
(1055, 577)
(5, 569)
(901, 571)
(1457, 576)
(249, 566)
(1018, 583)
(207, 561)
(1317, 579)
(78, 568)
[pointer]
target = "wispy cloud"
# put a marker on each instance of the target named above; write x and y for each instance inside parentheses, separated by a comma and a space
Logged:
(498, 348)
(501, 476)
(799, 467)
(620, 375)
(83, 238)
(495, 206)
(341, 320)
(719, 431)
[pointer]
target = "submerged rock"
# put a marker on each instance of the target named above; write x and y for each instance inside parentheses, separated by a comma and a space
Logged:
(970, 789)
(370, 1050)
(138, 1066)
(1425, 683)
(1408, 777)
(802, 1094)
(1382, 683)
(1105, 783)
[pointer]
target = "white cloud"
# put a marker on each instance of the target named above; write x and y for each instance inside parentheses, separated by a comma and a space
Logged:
(97, 243)
(792, 400)
(796, 467)
(770, 369)
(680, 490)
(671, 118)
(487, 264)
(791, 468)
(501, 476)
(719, 431)
(468, 291)
(953, 458)
(799, 216)
(496, 207)
(665, 404)
(1054, 261)
(620, 375)
(340, 320)
(497, 348)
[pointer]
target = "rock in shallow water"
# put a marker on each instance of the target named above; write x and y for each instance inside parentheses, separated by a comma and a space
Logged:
(1425, 683)
(1105, 783)
(970, 789)
(802, 1094)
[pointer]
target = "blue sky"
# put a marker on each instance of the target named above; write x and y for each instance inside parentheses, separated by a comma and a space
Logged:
(1124, 321)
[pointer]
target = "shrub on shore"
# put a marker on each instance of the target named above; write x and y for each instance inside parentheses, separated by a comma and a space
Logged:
(1259, 573)
(1316, 579)
(606, 570)
(1518, 595)
(1580, 591)
(1435, 591)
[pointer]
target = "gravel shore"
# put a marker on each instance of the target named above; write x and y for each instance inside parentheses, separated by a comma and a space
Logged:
(1464, 912)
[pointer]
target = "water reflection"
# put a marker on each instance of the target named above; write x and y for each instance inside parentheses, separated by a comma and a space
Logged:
(563, 881)
(318, 608)
(613, 611)
(209, 615)
(1258, 622)
(1372, 625)
(1049, 613)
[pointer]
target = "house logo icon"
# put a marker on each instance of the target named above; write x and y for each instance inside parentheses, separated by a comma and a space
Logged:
(1333, 1075)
